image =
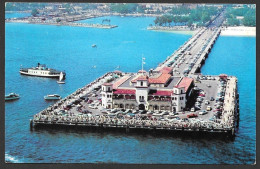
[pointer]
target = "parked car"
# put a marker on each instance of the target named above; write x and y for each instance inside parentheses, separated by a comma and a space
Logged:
(192, 115)
(89, 101)
(192, 109)
(165, 113)
(92, 106)
(208, 108)
(196, 88)
(212, 99)
(203, 112)
(212, 118)
(202, 95)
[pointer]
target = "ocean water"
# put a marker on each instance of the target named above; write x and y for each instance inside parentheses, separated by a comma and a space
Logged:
(69, 48)
(16, 15)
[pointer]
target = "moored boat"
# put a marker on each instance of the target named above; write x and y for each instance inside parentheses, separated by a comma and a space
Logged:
(61, 79)
(41, 70)
(52, 97)
(11, 96)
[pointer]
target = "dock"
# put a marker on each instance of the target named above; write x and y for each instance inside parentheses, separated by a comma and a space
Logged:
(76, 110)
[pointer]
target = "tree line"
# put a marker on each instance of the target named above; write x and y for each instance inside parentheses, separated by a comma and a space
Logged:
(126, 8)
(185, 16)
(14, 6)
(248, 14)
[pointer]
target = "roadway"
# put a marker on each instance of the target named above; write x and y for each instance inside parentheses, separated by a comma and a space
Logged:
(191, 54)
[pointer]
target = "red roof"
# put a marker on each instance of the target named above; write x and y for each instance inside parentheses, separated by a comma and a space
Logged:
(166, 70)
(141, 71)
(161, 93)
(117, 71)
(142, 78)
(107, 84)
(124, 91)
(163, 78)
(223, 76)
(185, 82)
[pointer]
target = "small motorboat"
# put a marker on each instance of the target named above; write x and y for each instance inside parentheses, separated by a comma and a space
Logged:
(61, 79)
(94, 46)
(52, 97)
(11, 96)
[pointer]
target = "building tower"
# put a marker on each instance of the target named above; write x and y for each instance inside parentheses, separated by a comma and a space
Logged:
(106, 94)
(142, 90)
(178, 99)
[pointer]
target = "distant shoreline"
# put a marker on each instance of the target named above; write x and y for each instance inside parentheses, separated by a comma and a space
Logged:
(226, 31)
(17, 11)
(238, 31)
(173, 29)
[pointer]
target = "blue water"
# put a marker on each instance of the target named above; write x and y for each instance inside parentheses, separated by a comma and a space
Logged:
(69, 49)
(16, 15)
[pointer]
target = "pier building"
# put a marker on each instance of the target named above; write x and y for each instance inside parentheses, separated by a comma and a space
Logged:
(148, 91)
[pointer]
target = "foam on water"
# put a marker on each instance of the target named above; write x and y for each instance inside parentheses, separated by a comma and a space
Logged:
(11, 159)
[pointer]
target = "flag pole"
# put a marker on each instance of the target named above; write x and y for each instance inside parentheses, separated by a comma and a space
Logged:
(142, 64)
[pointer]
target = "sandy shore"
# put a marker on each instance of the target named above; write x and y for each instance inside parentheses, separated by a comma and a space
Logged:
(239, 31)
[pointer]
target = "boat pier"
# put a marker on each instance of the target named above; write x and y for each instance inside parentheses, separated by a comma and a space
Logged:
(74, 111)
(83, 109)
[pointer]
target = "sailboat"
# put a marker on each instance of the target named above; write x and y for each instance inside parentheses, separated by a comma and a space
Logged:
(60, 79)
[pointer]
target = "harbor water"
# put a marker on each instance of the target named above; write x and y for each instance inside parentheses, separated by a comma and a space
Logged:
(70, 49)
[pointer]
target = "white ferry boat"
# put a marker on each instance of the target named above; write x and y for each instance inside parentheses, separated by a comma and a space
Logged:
(52, 97)
(11, 96)
(41, 70)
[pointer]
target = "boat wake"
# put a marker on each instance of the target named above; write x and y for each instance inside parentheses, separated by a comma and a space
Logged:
(11, 159)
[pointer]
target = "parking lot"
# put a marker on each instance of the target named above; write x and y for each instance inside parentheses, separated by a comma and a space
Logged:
(207, 88)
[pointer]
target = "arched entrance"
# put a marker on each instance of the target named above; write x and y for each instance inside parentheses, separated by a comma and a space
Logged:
(141, 107)
(121, 106)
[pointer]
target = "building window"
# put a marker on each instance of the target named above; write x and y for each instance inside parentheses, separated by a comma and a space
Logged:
(141, 98)
(141, 83)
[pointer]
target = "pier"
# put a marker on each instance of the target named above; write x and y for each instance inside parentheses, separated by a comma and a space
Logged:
(216, 94)
(74, 111)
